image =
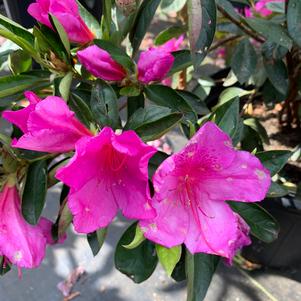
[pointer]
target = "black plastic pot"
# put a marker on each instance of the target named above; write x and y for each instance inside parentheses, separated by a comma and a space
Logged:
(285, 252)
(17, 10)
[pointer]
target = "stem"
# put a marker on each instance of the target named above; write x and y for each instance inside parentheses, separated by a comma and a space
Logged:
(223, 41)
(241, 25)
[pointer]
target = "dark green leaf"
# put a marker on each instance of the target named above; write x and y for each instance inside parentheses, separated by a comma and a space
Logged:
(276, 191)
(182, 60)
(96, 240)
(144, 17)
(153, 122)
(4, 266)
(139, 263)
(293, 20)
(135, 103)
(117, 54)
(277, 74)
(155, 162)
(200, 269)
(244, 60)
(272, 31)
(34, 194)
(81, 108)
(202, 25)
(104, 105)
(274, 161)
(179, 273)
(138, 239)
(262, 224)
(130, 91)
(65, 85)
(256, 126)
(167, 97)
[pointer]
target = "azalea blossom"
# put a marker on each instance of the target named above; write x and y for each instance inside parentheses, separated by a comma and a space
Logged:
(260, 8)
(100, 63)
(191, 188)
(155, 63)
(48, 125)
(67, 12)
(23, 244)
(108, 172)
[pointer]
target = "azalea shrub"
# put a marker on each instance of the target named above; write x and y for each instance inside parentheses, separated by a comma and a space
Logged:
(87, 106)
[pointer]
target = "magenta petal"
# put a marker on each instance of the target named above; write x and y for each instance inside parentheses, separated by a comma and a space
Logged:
(108, 172)
(100, 63)
(24, 245)
(46, 226)
(153, 65)
(48, 126)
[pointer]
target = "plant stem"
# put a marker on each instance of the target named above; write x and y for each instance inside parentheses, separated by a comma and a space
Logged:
(223, 41)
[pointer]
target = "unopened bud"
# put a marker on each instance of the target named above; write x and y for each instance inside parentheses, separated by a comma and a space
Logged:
(127, 6)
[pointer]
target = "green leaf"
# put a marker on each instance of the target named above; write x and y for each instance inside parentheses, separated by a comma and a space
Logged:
(138, 239)
(271, 31)
(65, 85)
(4, 266)
(293, 20)
(202, 25)
(117, 54)
(244, 60)
(65, 219)
(130, 91)
(262, 224)
(276, 191)
(135, 103)
(34, 194)
(104, 105)
(139, 263)
(229, 94)
(182, 61)
(229, 9)
(167, 97)
(89, 20)
(179, 273)
(274, 161)
(81, 108)
(169, 257)
(277, 73)
(153, 122)
(107, 17)
(200, 269)
(228, 119)
(254, 124)
(61, 32)
(144, 17)
(169, 33)
(96, 240)
(19, 61)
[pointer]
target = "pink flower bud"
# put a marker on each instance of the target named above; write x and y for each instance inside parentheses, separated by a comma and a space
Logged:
(66, 11)
(100, 63)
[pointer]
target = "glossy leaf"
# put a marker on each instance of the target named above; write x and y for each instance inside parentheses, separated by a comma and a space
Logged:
(244, 60)
(34, 194)
(169, 33)
(135, 103)
(182, 61)
(262, 224)
(104, 105)
(153, 122)
(19, 62)
(65, 85)
(138, 239)
(256, 126)
(293, 20)
(96, 240)
(276, 191)
(139, 263)
(171, 6)
(169, 257)
(200, 268)
(202, 25)
(274, 161)
(144, 17)
(155, 162)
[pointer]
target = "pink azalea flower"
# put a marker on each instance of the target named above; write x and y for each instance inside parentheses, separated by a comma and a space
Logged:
(191, 188)
(261, 8)
(100, 63)
(67, 12)
(23, 244)
(48, 125)
(108, 172)
(155, 63)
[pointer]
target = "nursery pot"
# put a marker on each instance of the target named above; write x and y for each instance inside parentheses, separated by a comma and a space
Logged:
(17, 10)
(285, 251)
